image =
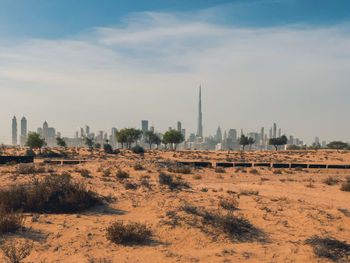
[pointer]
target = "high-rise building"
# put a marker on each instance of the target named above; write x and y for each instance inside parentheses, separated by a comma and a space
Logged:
(179, 126)
(279, 132)
(87, 130)
(23, 137)
(274, 130)
(45, 131)
(232, 134)
(14, 131)
(270, 133)
(200, 121)
(218, 135)
(262, 136)
(144, 126)
(317, 140)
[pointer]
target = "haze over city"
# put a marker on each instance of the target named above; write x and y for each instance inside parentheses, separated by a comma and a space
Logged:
(283, 61)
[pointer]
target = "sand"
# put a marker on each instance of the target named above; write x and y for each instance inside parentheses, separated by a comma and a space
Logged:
(287, 206)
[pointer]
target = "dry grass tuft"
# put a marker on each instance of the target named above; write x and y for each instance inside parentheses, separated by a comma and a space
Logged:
(122, 174)
(16, 252)
(133, 233)
(332, 249)
(345, 187)
(229, 203)
(10, 221)
(330, 181)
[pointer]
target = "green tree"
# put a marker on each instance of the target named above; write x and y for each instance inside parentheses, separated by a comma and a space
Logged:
(35, 141)
(128, 136)
(251, 141)
(173, 138)
(315, 146)
(244, 141)
(151, 138)
(89, 142)
(278, 141)
(337, 145)
(60, 142)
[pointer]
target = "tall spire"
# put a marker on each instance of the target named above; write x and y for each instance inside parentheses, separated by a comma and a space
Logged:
(200, 124)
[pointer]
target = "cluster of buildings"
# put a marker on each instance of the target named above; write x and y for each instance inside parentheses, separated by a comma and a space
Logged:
(222, 140)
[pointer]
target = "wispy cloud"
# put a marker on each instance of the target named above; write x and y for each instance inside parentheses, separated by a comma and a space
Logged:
(150, 67)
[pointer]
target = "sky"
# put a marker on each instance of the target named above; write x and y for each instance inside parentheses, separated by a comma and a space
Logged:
(112, 63)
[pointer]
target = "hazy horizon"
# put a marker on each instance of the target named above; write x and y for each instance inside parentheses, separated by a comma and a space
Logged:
(110, 64)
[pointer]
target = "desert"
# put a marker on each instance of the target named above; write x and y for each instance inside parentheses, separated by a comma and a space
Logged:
(183, 213)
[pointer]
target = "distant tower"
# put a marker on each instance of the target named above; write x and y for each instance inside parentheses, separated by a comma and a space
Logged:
(14, 131)
(200, 124)
(144, 126)
(274, 130)
(219, 134)
(179, 126)
(45, 131)
(23, 137)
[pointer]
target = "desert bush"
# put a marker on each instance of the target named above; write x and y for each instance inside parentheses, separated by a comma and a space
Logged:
(277, 171)
(219, 170)
(53, 194)
(15, 253)
(249, 192)
(254, 171)
(138, 167)
(345, 187)
(138, 149)
(130, 186)
(107, 148)
(29, 152)
(235, 228)
(167, 179)
(10, 221)
(133, 233)
(26, 168)
(197, 177)
(183, 170)
(332, 249)
(330, 181)
(229, 203)
(107, 172)
(122, 174)
(84, 173)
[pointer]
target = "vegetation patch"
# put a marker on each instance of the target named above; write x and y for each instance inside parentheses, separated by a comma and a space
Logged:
(53, 194)
(332, 249)
(168, 179)
(345, 187)
(229, 225)
(133, 233)
(330, 181)
(229, 203)
(122, 174)
(10, 221)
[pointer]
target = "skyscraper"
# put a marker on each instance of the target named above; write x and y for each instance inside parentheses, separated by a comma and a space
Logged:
(179, 128)
(219, 134)
(144, 126)
(45, 131)
(274, 130)
(14, 131)
(200, 124)
(23, 137)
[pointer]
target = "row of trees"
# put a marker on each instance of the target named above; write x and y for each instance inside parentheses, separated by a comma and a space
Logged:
(276, 142)
(171, 139)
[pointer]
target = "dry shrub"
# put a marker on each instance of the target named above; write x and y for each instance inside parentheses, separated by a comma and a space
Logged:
(330, 181)
(197, 177)
(249, 192)
(130, 186)
(254, 171)
(25, 168)
(107, 172)
(345, 187)
(168, 179)
(219, 170)
(183, 170)
(215, 223)
(133, 233)
(277, 171)
(10, 221)
(332, 249)
(138, 167)
(229, 203)
(310, 185)
(53, 194)
(122, 174)
(16, 252)
(84, 173)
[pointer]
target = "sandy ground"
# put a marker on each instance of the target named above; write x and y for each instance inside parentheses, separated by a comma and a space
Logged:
(288, 206)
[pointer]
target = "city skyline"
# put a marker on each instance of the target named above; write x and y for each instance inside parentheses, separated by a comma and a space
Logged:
(282, 65)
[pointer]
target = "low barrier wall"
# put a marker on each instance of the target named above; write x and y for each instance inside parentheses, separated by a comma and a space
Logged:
(16, 159)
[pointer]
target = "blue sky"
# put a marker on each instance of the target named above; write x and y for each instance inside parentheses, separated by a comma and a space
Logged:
(86, 62)
(61, 18)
